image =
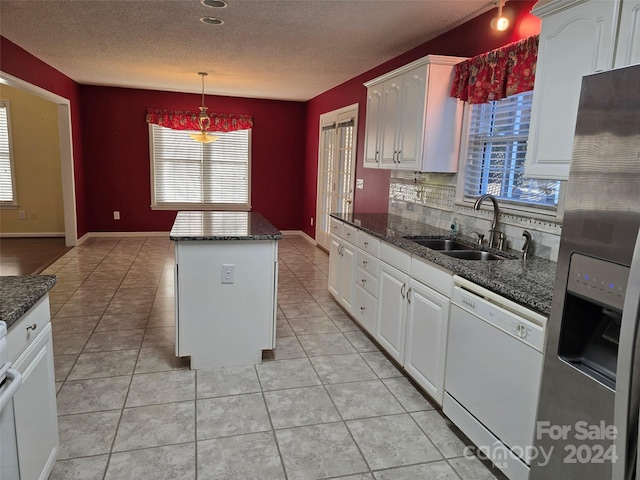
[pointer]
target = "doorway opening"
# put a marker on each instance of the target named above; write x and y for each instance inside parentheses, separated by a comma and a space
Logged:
(336, 168)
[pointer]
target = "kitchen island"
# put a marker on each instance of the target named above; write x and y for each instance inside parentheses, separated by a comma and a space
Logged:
(226, 277)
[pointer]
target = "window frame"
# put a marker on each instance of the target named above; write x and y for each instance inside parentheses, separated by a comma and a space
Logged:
(13, 204)
(198, 206)
(506, 206)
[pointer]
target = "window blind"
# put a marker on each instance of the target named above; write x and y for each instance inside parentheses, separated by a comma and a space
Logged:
(495, 154)
(7, 194)
(188, 174)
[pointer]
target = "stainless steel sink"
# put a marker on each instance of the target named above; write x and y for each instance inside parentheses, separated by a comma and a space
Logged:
(441, 244)
(474, 255)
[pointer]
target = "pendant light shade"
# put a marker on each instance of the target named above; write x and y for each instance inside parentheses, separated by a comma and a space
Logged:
(203, 120)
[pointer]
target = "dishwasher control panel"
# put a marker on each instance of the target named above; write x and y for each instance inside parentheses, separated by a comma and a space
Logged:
(501, 318)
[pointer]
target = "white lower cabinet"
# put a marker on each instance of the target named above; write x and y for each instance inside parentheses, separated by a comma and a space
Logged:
(403, 302)
(342, 260)
(426, 338)
(34, 404)
(392, 307)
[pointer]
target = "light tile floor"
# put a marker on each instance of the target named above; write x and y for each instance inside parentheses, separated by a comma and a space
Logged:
(326, 403)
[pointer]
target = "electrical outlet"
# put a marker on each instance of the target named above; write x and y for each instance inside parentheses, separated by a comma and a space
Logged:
(360, 183)
(22, 215)
(116, 215)
(33, 215)
(228, 273)
(312, 221)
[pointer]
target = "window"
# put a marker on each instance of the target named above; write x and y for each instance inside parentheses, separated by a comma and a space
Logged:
(495, 153)
(7, 178)
(188, 175)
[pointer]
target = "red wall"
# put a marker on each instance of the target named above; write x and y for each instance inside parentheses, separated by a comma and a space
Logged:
(472, 38)
(116, 151)
(21, 64)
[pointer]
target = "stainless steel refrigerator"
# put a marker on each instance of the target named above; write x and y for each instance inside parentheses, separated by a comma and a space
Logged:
(587, 420)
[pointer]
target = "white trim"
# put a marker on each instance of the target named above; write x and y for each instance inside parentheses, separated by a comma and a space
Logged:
(289, 233)
(32, 235)
(429, 59)
(126, 234)
(543, 9)
(66, 151)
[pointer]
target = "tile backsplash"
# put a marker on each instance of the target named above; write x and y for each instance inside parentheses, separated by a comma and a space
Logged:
(430, 198)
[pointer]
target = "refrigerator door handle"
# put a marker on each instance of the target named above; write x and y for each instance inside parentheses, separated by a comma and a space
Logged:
(627, 399)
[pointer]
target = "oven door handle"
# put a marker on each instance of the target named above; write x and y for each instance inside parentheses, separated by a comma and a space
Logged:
(15, 380)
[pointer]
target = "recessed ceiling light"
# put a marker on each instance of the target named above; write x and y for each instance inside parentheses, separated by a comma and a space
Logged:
(213, 3)
(211, 20)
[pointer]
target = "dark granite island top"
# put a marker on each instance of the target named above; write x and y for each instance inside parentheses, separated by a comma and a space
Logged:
(18, 294)
(215, 225)
(528, 282)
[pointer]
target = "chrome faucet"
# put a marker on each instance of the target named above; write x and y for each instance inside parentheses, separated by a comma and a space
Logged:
(496, 213)
(526, 247)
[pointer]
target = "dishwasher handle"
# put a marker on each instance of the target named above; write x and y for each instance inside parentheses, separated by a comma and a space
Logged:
(14, 378)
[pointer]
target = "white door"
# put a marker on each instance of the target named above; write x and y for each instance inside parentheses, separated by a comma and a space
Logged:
(336, 168)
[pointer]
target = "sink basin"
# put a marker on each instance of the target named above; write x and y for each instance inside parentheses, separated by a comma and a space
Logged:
(441, 244)
(474, 255)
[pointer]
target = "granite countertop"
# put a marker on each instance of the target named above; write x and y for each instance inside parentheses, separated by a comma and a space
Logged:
(528, 282)
(214, 225)
(19, 294)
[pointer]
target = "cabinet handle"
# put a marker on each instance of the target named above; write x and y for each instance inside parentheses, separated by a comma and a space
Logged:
(364, 263)
(362, 309)
(366, 244)
(377, 157)
(33, 327)
(395, 155)
(399, 152)
(409, 295)
(363, 280)
(404, 285)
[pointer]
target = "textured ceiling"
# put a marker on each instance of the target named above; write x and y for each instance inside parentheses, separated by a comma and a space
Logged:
(279, 49)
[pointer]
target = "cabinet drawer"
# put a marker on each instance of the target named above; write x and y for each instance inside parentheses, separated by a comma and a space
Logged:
(36, 318)
(364, 308)
(350, 234)
(367, 263)
(367, 281)
(369, 244)
(395, 256)
(336, 227)
(433, 276)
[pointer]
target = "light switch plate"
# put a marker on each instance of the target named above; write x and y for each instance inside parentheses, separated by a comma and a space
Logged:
(360, 183)
(228, 273)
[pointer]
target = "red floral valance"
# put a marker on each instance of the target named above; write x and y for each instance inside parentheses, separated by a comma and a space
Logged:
(497, 74)
(188, 120)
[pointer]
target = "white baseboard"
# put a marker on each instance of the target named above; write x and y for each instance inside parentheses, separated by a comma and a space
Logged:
(300, 233)
(32, 235)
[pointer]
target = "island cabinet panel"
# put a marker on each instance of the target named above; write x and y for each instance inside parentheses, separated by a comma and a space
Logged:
(225, 301)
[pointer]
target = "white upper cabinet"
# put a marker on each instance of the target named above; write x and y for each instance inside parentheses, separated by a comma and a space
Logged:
(578, 37)
(628, 46)
(412, 123)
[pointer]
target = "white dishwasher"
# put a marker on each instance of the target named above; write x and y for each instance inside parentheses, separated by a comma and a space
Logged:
(493, 370)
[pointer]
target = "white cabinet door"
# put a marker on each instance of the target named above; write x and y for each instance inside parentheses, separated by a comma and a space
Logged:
(411, 123)
(373, 133)
(628, 46)
(364, 308)
(35, 409)
(573, 42)
(348, 259)
(392, 101)
(390, 321)
(334, 266)
(427, 325)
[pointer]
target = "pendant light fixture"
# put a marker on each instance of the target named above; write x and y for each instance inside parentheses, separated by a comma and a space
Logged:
(203, 120)
(500, 23)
